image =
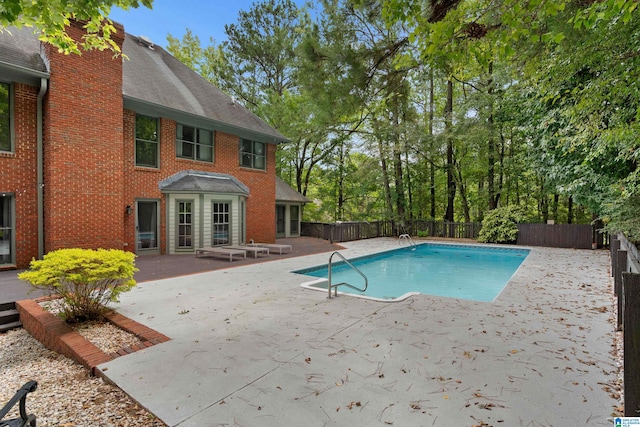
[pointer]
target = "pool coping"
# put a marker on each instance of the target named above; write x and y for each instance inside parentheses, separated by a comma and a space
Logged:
(313, 284)
(256, 349)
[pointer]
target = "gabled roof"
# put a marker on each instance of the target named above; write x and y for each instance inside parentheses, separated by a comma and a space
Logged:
(154, 83)
(203, 182)
(20, 58)
(285, 193)
(153, 79)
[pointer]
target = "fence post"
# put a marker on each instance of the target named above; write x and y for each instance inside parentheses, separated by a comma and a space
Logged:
(620, 268)
(613, 248)
(631, 292)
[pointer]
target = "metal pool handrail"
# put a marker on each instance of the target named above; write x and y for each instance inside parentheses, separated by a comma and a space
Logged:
(408, 239)
(335, 287)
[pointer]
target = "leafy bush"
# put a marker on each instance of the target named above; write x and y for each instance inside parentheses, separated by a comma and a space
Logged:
(501, 225)
(85, 279)
(423, 233)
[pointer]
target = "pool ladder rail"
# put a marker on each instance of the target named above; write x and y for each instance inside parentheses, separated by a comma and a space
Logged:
(408, 239)
(335, 287)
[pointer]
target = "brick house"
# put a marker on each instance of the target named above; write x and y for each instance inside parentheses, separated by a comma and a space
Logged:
(139, 153)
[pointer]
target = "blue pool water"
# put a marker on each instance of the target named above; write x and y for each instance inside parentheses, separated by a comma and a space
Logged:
(476, 273)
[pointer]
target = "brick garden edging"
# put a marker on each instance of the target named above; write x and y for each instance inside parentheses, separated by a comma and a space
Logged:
(57, 336)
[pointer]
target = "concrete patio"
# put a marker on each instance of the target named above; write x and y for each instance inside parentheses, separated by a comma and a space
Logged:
(251, 347)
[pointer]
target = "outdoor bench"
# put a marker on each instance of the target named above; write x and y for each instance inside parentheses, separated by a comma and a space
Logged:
(20, 396)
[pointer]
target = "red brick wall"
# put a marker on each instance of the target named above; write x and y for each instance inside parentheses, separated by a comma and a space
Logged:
(89, 173)
(83, 149)
(143, 182)
(18, 172)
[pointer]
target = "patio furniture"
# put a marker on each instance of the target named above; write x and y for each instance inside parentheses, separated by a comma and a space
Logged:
(255, 250)
(20, 396)
(221, 252)
(273, 247)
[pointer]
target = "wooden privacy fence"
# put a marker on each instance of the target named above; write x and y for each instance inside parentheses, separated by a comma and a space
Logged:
(625, 269)
(348, 231)
(578, 236)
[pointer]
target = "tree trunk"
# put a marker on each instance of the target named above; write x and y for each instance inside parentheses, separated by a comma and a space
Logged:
(570, 211)
(432, 165)
(397, 169)
(491, 149)
(501, 173)
(554, 207)
(385, 179)
(340, 204)
(399, 182)
(543, 203)
(463, 193)
(409, 188)
(451, 184)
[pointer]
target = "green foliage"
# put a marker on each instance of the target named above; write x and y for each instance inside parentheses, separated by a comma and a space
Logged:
(501, 225)
(85, 279)
(423, 234)
(51, 18)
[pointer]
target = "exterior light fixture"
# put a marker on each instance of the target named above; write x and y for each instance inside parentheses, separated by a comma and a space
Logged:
(128, 209)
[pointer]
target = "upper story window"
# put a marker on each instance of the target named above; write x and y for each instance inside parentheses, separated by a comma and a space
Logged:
(5, 117)
(194, 143)
(147, 141)
(253, 154)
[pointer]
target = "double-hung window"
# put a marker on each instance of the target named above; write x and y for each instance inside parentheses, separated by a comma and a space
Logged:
(147, 142)
(253, 154)
(5, 117)
(194, 143)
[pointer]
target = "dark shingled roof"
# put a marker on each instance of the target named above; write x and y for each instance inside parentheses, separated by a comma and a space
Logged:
(154, 83)
(203, 182)
(20, 58)
(153, 77)
(285, 193)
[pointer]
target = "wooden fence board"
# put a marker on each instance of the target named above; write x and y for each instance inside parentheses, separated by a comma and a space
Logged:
(577, 236)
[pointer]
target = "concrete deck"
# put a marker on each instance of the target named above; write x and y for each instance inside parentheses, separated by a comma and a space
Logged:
(251, 347)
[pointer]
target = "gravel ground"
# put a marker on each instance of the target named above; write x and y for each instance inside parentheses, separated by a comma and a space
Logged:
(66, 395)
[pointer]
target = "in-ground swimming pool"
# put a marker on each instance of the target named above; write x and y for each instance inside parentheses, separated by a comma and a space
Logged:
(477, 273)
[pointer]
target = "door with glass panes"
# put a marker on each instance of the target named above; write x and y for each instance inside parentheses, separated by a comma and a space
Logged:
(221, 223)
(6, 229)
(147, 226)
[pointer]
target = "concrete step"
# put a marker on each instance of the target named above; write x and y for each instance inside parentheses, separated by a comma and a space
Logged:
(7, 306)
(9, 316)
(8, 326)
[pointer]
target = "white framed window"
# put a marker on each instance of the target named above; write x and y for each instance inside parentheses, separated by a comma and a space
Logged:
(253, 154)
(6, 107)
(147, 142)
(194, 143)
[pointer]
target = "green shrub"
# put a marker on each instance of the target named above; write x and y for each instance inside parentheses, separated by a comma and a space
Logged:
(423, 233)
(501, 225)
(85, 279)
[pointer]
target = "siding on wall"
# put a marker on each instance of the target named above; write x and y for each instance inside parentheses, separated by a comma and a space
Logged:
(202, 218)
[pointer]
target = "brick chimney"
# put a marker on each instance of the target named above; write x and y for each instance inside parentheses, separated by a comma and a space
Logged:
(83, 148)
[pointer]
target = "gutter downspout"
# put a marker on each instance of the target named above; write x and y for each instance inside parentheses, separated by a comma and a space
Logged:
(40, 166)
